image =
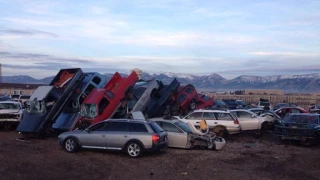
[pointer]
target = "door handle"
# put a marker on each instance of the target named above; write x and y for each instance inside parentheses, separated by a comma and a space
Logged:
(198, 122)
(215, 123)
(125, 136)
(103, 135)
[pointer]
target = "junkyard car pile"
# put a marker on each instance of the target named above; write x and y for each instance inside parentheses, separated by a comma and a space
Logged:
(135, 116)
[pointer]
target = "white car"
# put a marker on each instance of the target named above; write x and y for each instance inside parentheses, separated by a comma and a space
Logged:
(10, 114)
(249, 121)
(262, 104)
(219, 121)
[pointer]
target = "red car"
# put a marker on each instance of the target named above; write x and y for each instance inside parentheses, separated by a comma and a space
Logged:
(287, 110)
(101, 104)
(204, 102)
(184, 99)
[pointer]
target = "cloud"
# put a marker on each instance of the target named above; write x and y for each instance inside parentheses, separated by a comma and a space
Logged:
(30, 32)
(210, 13)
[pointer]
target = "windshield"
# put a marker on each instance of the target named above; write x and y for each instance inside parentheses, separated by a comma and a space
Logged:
(302, 119)
(88, 110)
(183, 126)
(9, 106)
(37, 107)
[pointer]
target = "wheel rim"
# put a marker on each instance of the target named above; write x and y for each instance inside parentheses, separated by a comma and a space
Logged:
(69, 145)
(134, 150)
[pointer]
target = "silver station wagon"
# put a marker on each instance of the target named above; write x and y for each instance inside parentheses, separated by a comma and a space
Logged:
(132, 136)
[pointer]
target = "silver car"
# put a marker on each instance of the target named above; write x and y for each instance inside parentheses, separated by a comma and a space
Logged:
(132, 136)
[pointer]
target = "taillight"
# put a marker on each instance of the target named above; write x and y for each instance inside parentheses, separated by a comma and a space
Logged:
(155, 138)
(236, 121)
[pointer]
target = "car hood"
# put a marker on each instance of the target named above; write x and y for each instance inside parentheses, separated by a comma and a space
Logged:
(9, 111)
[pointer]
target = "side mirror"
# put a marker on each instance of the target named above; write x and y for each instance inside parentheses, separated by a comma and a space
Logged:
(253, 116)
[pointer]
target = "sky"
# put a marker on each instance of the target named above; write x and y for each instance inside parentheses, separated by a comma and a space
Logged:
(199, 37)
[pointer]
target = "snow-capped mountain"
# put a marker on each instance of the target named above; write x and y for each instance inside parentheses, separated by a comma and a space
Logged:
(303, 83)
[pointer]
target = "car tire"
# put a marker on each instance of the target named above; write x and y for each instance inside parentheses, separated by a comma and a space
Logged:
(134, 149)
(192, 105)
(220, 131)
(71, 145)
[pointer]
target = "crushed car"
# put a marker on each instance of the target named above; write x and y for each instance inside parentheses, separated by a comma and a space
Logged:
(10, 114)
(71, 111)
(185, 135)
(138, 98)
(157, 105)
(47, 102)
(304, 128)
(103, 103)
(204, 102)
(183, 100)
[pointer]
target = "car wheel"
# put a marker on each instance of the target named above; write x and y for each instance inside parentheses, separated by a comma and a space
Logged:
(71, 145)
(192, 105)
(134, 149)
(220, 131)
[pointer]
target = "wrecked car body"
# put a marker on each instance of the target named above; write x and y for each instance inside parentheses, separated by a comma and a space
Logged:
(101, 104)
(300, 127)
(10, 114)
(157, 104)
(204, 101)
(138, 98)
(185, 135)
(184, 100)
(71, 111)
(47, 102)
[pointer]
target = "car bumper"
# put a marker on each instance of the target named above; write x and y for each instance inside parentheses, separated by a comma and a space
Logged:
(298, 138)
(158, 146)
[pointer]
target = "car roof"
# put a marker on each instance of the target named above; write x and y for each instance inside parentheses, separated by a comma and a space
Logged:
(167, 120)
(127, 120)
(208, 110)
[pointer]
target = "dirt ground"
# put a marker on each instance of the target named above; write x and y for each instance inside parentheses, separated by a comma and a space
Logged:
(262, 158)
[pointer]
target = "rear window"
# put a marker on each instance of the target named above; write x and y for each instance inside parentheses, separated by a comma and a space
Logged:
(155, 127)
(224, 116)
(137, 127)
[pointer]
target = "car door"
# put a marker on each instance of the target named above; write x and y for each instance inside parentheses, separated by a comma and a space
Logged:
(247, 120)
(210, 119)
(227, 120)
(95, 137)
(194, 118)
(176, 137)
(117, 134)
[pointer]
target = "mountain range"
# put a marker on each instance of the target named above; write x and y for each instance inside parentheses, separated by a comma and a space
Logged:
(307, 83)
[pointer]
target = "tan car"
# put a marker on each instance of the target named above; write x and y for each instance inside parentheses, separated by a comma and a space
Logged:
(185, 135)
